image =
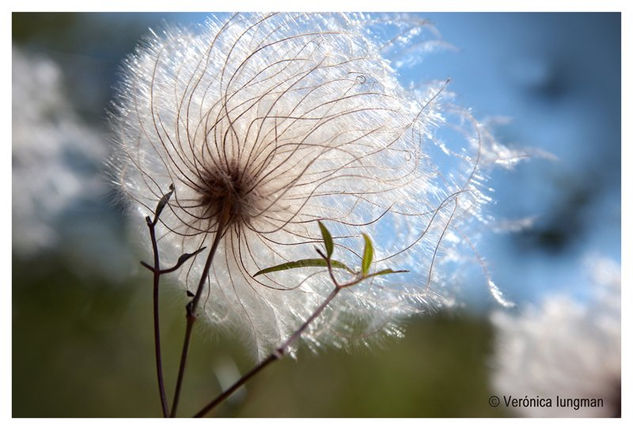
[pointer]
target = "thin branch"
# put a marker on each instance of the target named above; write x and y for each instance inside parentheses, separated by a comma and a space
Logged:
(281, 351)
(192, 306)
(274, 356)
(156, 270)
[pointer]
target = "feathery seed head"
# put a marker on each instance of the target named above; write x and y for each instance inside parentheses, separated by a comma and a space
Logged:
(266, 124)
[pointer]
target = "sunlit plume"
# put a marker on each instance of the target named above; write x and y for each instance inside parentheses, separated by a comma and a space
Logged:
(266, 124)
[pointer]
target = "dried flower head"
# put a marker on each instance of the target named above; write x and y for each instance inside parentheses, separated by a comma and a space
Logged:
(267, 123)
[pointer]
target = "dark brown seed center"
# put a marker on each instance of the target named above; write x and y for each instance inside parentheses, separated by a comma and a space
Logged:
(227, 188)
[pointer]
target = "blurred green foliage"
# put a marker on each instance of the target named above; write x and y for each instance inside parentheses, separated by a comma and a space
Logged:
(84, 348)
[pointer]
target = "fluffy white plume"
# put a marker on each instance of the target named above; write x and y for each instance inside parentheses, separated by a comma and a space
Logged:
(273, 122)
(564, 349)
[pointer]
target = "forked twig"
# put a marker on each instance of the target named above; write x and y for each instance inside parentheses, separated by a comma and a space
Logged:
(151, 224)
(156, 270)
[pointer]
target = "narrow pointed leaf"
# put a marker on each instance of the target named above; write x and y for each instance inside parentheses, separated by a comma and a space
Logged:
(385, 272)
(368, 255)
(182, 260)
(327, 239)
(184, 257)
(308, 262)
(163, 201)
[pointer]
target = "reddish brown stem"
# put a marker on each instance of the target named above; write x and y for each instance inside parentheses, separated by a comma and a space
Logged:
(274, 356)
(191, 316)
(157, 349)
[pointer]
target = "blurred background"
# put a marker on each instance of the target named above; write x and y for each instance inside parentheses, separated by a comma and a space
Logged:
(82, 328)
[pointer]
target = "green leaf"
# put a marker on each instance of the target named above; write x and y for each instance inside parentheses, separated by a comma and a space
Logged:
(368, 255)
(327, 239)
(308, 262)
(385, 272)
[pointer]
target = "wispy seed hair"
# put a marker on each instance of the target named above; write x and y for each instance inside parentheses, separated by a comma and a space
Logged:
(270, 122)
